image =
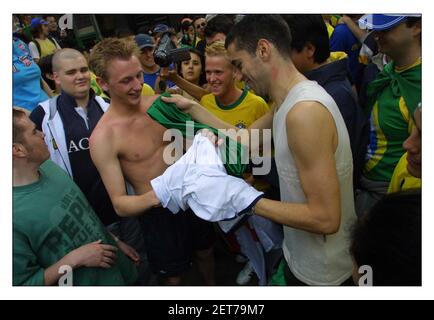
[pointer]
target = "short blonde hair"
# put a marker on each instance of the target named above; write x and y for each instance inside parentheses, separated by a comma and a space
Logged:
(108, 50)
(216, 49)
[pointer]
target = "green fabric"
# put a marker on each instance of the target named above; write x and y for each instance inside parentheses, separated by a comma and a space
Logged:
(407, 84)
(278, 277)
(168, 115)
(389, 128)
(52, 217)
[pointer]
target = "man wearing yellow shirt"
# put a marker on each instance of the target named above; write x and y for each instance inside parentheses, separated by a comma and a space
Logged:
(226, 101)
(408, 172)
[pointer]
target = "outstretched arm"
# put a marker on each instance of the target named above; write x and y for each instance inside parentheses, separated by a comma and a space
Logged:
(195, 91)
(202, 115)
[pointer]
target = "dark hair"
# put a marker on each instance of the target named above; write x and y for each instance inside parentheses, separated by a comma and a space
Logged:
(219, 24)
(17, 129)
(388, 239)
(411, 21)
(202, 78)
(46, 66)
(246, 33)
(36, 31)
(309, 28)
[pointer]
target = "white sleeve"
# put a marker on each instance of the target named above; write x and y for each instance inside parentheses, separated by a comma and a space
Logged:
(33, 50)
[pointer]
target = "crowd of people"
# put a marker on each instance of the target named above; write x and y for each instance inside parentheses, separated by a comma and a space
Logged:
(338, 95)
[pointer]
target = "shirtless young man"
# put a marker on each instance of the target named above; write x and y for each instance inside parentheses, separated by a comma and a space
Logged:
(127, 146)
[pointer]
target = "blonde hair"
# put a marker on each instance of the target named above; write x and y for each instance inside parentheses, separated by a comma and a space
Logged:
(216, 49)
(108, 50)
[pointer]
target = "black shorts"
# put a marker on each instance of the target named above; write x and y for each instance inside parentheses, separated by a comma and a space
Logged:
(170, 239)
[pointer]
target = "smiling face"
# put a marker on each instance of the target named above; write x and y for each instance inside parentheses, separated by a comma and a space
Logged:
(413, 146)
(124, 80)
(219, 75)
(252, 69)
(73, 76)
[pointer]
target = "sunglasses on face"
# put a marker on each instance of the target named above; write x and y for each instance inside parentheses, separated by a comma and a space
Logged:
(203, 24)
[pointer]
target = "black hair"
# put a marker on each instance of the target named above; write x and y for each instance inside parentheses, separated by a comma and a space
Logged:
(36, 31)
(202, 78)
(246, 33)
(46, 66)
(219, 24)
(411, 21)
(309, 28)
(388, 239)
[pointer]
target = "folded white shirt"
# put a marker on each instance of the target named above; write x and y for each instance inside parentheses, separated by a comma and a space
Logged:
(198, 180)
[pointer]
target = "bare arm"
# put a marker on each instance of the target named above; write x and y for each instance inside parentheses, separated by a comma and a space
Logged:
(354, 28)
(195, 91)
(106, 161)
(202, 115)
(314, 158)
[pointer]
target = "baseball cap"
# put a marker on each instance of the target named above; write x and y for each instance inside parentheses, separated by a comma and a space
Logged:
(36, 22)
(144, 41)
(159, 28)
(380, 22)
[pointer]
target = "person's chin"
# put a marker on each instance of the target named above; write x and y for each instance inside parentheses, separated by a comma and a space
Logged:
(415, 171)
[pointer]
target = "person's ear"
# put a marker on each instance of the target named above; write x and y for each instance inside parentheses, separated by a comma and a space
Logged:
(309, 49)
(19, 150)
(417, 29)
(102, 83)
(55, 77)
(263, 49)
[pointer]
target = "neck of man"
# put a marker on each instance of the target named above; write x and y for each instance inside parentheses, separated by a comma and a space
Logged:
(42, 36)
(82, 102)
(230, 97)
(150, 70)
(408, 57)
(123, 109)
(25, 174)
(284, 76)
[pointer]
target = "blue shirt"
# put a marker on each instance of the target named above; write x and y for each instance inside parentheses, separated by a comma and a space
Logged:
(344, 40)
(151, 78)
(26, 78)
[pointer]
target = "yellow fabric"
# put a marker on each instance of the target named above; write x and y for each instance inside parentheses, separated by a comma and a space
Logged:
(47, 47)
(401, 178)
(247, 111)
(95, 87)
(381, 141)
(330, 29)
(417, 62)
(147, 90)
(337, 55)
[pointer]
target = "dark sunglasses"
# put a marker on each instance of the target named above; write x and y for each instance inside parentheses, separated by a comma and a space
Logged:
(203, 24)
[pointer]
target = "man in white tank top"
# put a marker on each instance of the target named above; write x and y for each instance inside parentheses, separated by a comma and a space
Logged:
(312, 152)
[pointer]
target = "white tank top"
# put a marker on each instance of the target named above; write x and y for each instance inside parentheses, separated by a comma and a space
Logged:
(315, 259)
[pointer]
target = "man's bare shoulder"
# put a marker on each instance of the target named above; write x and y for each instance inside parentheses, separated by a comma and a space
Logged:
(147, 101)
(104, 130)
(308, 112)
